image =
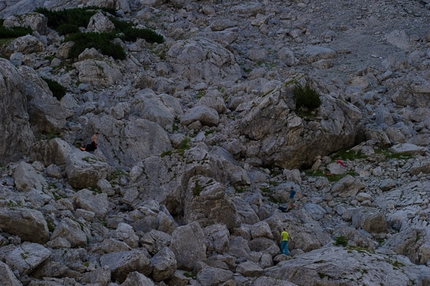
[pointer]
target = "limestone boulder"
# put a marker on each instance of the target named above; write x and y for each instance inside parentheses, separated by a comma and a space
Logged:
(201, 60)
(91, 201)
(372, 222)
(71, 231)
(7, 277)
(290, 141)
(98, 73)
(347, 186)
(17, 136)
(209, 204)
(205, 115)
(47, 115)
(217, 238)
(54, 151)
(27, 178)
(100, 23)
(124, 262)
(164, 264)
(27, 44)
(188, 245)
(169, 182)
(84, 169)
(334, 262)
(28, 224)
(155, 240)
(125, 143)
(125, 232)
(27, 257)
(158, 108)
(137, 278)
(214, 276)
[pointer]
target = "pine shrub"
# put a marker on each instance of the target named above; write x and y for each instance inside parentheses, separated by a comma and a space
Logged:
(57, 89)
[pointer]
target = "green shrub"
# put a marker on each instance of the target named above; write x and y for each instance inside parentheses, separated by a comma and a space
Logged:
(99, 41)
(68, 21)
(77, 16)
(57, 89)
(132, 34)
(306, 97)
(340, 241)
(66, 29)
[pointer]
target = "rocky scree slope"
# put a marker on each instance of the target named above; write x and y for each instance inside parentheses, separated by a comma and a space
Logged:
(200, 140)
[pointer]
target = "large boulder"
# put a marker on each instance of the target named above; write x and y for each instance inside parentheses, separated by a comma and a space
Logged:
(125, 143)
(27, 257)
(200, 60)
(27, 178)
(7, 277)
(54, 151)
(188, 245)
(46, 113)
(350, 268)
(84, 169)
(98, 73)
(123, 262)
(209, 204)
(291, 141)
(28, 224)
(17, 136)
(169, 182)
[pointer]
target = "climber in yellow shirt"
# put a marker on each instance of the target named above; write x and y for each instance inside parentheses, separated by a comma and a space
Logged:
(284, 241)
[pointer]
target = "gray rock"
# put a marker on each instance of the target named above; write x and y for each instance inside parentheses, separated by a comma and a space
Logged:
(188, 245)
(203, 60)
(27, 257)
(7, 277)
(217, 238)
(136, 278)
(210, 204)
(84, 169)
(98, 73)
(213, 276)
(347, 186)
(71, 231)
(124, 262)
(91, 201)
(14, 119)
(249, 269)
(164, 263)
(124, 232)
(201, 113)
(27, 178)
(28, 224)
(99, 23)
(407, 149)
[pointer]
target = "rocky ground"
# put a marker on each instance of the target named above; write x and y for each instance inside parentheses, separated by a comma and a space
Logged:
(200, 141)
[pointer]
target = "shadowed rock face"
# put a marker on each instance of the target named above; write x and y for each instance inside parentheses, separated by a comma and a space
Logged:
(16, 135)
